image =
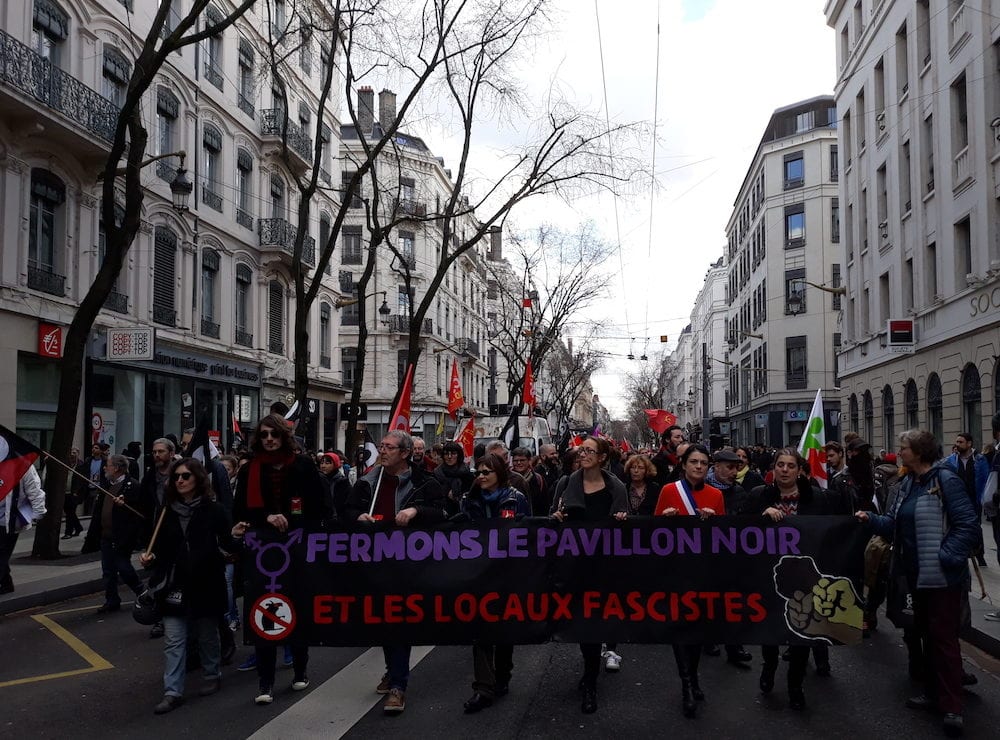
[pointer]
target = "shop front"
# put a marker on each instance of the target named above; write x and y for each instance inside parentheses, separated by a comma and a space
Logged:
(143, 399)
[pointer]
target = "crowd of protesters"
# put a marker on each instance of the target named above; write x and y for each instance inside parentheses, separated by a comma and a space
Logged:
(916, 500)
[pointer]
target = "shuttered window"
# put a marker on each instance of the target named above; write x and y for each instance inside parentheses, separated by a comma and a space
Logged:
(276, 317)
(164, 276)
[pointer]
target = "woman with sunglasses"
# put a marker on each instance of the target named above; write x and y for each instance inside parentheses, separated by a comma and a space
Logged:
(189, 578)
(453, 475)
(690, 496)
(491, 498)
(591, 494)
(279, 490)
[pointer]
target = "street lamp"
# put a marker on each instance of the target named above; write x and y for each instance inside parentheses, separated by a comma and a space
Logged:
(383, 310)
(732, 338)
(795, 303)
(180, 188)
(837, 290)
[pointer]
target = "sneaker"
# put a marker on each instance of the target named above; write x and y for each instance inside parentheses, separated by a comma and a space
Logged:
(952, 725)
(612, 662)
(992, 616)
(300, 683)
(383, 685)
(250, 664)
(264, 697)
(288, 657)
(395, 702)
(234, 625)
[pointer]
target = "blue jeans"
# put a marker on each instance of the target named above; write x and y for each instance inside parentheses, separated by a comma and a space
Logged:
(115, 563)
(397, 664)
(232, 614)
(175, 637)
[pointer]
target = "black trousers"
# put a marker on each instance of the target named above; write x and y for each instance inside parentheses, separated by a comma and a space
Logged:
(267, 660)
(687, 657)
(73, 525)
(798, 659)
(7, 542)
(591, 652)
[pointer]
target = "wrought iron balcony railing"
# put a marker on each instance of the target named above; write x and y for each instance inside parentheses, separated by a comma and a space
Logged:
(468, 346)
(271, 122)
(209, 329)
(244, 338)
(46, 281)
(213, 75)
(244, 219)
(210, 199)
(25, 70)
(276, 347)
(165, 315)
(117, 302)
(277, 232)
(245, 104)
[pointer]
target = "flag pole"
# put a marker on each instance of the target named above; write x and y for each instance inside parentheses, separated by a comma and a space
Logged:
(378, 485)
(56, 460)
(156, 531)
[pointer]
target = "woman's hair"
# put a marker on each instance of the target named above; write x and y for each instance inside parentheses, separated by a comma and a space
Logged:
(498, 465)
(695, 448)
(603, 448)
(276, 424)
(455, 447)
(640, 461)
(201, 485)
(792, 453)
(922, 443)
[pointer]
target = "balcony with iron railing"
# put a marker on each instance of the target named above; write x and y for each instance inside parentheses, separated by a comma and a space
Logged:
(245, 104)
(117, 302)
(401, 325)
(243, 338)
(46, 281)
(209, 329)
(35, 80)
(468, 346)
(213, 74)
(276, 347)
(278, 235)
(165, 315)
(244, 219)
(272, 125)
(211, 199)
(410, 207)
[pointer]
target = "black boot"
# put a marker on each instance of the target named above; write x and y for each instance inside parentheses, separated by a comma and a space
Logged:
(696, 691)
(796, 699)
(589, 704)
(767, 679)
(688, 704)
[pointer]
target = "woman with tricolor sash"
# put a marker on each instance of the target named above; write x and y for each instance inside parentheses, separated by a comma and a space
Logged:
(690, 496)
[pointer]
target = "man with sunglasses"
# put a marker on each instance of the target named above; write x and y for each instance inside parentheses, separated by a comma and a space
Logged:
(401, 493)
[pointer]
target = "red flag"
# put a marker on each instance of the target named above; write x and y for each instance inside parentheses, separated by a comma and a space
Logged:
(16, 456)
(467, 437)
(625, 446)
(577, 441)
(660, 420)
(400, 416)
(455, 398)
(528, 394)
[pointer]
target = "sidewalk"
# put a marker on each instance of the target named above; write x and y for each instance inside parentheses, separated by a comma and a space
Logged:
(41, 582)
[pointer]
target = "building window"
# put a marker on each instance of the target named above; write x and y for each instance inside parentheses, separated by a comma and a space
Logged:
(402, 360)
(407, 240)
(852, 406)
(348, 364)
(923, 27)
(805, 121)
(244, 279)
(213, 47)
(351, 250)
(836, 283)
(795, 292)
(834, 164)
(404, 301)
(963, 253)
(972, 401)
(48, 194)
(324, 238)
(325, 313)
(245, 97)
(350, 315)
(167, 109)
(209, 283)
(275, 318)
(868, 408)
(905, 196)
(116, 301)
(902, 62)
(164, 276)
(117, 71)
(49, 31)
(911, 405)
(796, 363)
(325, 153)
(277, 197)
(888, 418)
(211, 165)
(835, 220)
(927, 143)
(959, 118)
(794, 170)
(935, 406)
(280, 19)
(305, 50)
(931, 273)
(346, 192)
(244, 188)
(795, 226)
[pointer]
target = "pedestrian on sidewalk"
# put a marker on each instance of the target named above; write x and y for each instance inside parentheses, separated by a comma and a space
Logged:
(115, 527)
(70, 502)
(12, 523)
(189, 578)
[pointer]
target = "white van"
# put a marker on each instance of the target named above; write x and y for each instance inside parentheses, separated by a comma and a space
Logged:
(534, 432)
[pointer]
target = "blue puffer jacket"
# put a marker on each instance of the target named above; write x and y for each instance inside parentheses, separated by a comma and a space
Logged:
(935, 546)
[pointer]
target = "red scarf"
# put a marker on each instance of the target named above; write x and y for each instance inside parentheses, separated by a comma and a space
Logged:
(788, 503)
(254, 498)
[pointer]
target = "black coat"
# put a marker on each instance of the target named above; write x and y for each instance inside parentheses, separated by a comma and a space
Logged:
(649, 497)
(456, 480)
(125, 524)
(192, 561)
(299, 479)
(812, 500)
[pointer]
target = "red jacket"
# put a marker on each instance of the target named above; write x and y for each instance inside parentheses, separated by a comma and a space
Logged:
(706, 497)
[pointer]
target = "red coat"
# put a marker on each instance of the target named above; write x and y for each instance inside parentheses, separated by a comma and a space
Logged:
(706, 497)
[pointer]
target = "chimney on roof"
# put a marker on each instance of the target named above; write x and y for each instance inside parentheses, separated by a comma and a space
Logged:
(386, 109)
(496, 244)
(366, 110)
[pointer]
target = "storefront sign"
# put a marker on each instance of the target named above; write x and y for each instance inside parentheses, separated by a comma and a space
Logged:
(901, 336)
(50, 340)
(797, 415)
(130, 344)
(646, 580)
(209, 368)
(984, 301)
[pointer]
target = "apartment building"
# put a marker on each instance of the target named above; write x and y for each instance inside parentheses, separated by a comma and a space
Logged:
(214, 283)
(783, 256)
(919, 103)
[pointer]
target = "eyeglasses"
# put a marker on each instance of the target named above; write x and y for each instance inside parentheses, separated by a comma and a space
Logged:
(586, 451)
(451, 452)
(384, 446)
(483, 473)
(182, 476)
(268, 434)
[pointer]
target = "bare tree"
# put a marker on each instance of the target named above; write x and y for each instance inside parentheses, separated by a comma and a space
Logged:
(121, 188)
(568, 370)
(645, 389)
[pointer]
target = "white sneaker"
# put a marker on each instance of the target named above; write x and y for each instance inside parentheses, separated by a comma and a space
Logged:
(264, 697)
(300, 684)
(612, 661)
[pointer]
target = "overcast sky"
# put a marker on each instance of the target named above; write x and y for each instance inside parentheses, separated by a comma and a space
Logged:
(725, 65)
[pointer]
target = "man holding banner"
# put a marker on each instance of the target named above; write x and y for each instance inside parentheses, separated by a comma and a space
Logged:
(396, 493)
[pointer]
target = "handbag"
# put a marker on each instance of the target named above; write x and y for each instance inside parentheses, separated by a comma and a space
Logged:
(899, 597)
(146, 608)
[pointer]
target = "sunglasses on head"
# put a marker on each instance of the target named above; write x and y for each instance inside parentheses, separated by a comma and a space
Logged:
(182, 476)
(268, 434)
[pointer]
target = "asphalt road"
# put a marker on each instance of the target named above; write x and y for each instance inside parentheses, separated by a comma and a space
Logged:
(67, 672)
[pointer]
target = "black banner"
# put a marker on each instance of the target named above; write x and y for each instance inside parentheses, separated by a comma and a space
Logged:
(647, 580)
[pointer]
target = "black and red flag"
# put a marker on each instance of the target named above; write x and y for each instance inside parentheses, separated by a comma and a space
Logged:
(16, 456)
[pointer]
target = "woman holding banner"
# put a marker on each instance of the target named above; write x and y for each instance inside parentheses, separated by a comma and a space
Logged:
(690, 496)
(790, 494)
(591, 494)
(491, 498)
(279, 490)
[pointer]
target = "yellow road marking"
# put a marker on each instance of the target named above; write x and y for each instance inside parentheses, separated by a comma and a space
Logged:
(94, 661)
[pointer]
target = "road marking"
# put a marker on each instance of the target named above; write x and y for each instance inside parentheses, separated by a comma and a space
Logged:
(94, 661)
(336, 705)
